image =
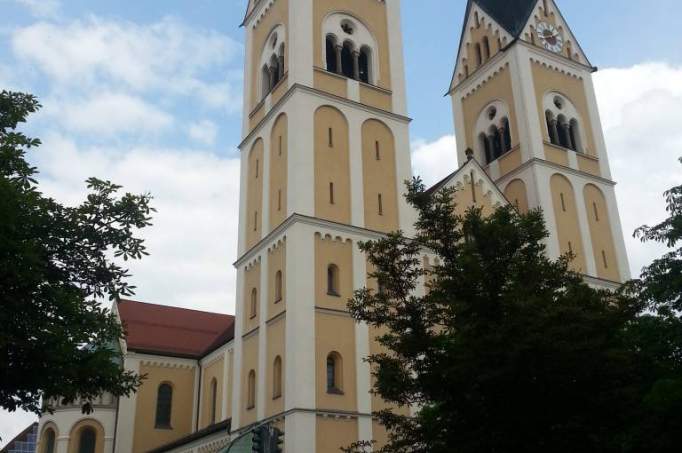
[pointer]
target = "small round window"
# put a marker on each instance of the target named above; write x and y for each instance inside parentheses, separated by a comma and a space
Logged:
(492, 113)
(348, 27)
(558, 102)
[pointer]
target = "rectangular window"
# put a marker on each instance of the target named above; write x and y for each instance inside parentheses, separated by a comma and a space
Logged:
(377, 152)
(331, 138)
(596, 212)
(280, 145)
(563, 202)
(381, 206)
(603, 257)
(257, 167)
(255, 221)
(279, 200)
(331, 193)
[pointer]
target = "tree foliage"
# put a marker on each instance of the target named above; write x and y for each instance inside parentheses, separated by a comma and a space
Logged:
(56, 263)
(509, 350)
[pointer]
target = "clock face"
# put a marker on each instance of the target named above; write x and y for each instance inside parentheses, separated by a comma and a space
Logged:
(550, 37)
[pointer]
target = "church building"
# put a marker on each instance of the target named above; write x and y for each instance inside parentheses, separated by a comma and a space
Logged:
(324, 158)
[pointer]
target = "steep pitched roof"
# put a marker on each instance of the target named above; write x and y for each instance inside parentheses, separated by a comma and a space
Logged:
(177, 332)
(512, 15)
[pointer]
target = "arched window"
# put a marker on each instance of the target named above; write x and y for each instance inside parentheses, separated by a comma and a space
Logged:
(485, 148)
(479, 55)
(49, 440)
(364, 63)
(506, 135)
(347, 60)
(253, 311)
(275, 71)
(486, 48)
(164, 401)
(251, 391)
(334, 373)
(87, 440)
(574, 133)
(280, 56)
(332, 62)
(552, 129)
(495, 139)
(333, 280)
(564, 136)
(265, 82)
(277, 378)
(278, 286)
(214, 399)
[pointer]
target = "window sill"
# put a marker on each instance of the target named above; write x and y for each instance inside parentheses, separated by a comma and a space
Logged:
(335, 391)
(276, 397)
(333, 294)
(164, 428)
(252, 317)
(278, 300)
(250, 408)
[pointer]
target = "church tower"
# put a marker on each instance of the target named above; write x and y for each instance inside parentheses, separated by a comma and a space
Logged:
(524, 102)
(325, 152)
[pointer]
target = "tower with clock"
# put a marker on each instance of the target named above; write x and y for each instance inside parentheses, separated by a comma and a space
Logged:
(524, 103)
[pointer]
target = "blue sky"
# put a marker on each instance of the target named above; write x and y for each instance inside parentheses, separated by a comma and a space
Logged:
(148, 94)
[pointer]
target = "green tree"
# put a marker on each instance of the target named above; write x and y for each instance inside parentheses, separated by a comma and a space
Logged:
(508, 350)
(56, 262)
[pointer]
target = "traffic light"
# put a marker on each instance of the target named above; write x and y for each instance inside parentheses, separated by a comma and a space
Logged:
(260, 439)
(277, 440)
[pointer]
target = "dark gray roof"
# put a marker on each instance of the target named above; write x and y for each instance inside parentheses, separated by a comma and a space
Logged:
(512, 15)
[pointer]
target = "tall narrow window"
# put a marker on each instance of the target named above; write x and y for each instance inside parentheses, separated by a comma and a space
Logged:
(570, 247)
(331, 54)
(603, 257)
(265, 81)
(364, 60)
(381, 205)
(278, 286)
(486, 48)
(377, 150)
(164, 401)
(331, 193)
(466, 70)
(333, 280)
(214, 399)
(479, 54)
(563, 202)
(596, 212)
(330, 134)
(49, 441)
(277, 378)
(574, 134)
(347, 63)
(334, 373)
(275, 72)
(257, 168)
(253, 310)
(280, 146)
(506, 135)
(255, 221)
(251, 391)
(87, 440)
(564, 137)
(279, 200)
(552, 130)
(485, 147)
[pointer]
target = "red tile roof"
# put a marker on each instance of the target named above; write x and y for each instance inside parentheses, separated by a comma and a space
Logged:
(177, 332)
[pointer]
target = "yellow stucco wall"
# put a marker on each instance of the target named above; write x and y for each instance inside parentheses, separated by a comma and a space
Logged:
(332, 165)
(275, 347)
(249, 362)
(499, 87)
(374, 97)
(74, 436)
(467, 197)
(254, 194)
(146, 435)
(277, 14)
(546, 80)
(278, 171)
(478, 33)
(373, 15)
(330, 83)
(276, 262)
(510, 161)
(331, 251)
(557, 154)
(335, 333)
(566, 214)
(589, 164)
(213, 371)
(251, 281)
(379, 176)
(517, 195)
(603, 246)
(332, 434)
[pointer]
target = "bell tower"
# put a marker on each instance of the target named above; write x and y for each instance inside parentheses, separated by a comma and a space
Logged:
(324, 157)
(524, 102)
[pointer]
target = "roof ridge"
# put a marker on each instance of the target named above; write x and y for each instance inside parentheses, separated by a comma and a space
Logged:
(175, 307)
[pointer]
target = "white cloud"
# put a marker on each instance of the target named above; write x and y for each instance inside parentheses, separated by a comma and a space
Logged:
(641, 111)
(108, 114)
(204, 132)
(166, 57)
(433, 161)
(42, 8)
(194, 237)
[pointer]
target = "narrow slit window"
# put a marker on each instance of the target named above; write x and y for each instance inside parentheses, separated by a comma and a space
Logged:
(563, 202)
(603, 257)
(377, 150)
(596, 212)
(257, 167)
(331, 193)
(280, 145)
(331, 137)
(255, 221)
(279, 200)
(381, 205)
(570, 247)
